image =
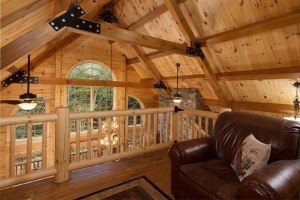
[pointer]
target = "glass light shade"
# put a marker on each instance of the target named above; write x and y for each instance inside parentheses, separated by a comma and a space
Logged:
(177, 98)
(292, 118)
(28, 105)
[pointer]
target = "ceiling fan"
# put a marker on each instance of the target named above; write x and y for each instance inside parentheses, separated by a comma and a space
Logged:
(26, 101)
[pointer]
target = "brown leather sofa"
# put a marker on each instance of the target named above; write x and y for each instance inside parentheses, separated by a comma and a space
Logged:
(200, 168)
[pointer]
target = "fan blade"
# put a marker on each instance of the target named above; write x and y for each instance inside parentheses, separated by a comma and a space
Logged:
(12, 102)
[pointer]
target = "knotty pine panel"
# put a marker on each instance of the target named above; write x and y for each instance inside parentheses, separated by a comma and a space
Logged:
(264, 91)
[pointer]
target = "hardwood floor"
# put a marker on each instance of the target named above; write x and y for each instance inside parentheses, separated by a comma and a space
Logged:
(154, 166)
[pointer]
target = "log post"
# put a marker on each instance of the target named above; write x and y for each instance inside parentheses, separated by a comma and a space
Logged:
(175, 126)
(62, 145)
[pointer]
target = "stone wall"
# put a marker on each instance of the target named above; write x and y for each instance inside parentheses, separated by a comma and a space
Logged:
(191, 98)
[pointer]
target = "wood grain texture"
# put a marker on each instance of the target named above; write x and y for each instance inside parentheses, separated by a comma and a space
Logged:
(99, 177)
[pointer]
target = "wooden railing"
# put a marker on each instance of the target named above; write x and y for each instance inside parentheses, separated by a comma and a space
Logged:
(108, 137)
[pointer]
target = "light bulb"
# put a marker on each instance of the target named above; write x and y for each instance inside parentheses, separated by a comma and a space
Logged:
(177, 98)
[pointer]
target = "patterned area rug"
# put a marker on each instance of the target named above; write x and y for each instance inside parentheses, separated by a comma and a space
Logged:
(137, 189)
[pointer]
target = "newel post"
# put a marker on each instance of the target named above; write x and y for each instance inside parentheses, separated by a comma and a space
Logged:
(62, 145)
(175, 126)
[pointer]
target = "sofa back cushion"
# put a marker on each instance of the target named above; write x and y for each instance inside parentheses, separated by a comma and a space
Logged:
(231, 128)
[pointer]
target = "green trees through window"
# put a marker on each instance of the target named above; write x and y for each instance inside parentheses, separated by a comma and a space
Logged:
(133, 104)
(92, 98)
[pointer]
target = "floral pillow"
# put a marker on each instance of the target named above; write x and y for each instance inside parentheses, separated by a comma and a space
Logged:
(251, 155)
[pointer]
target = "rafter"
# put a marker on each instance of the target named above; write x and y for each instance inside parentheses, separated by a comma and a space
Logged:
(82, 82)
(147, 63)
(274, 73)
(110, 32)
(186, 77)
(264, 107)
(16, 50)
(257, 106)
(205, 65)
(61, 5)
(153, 55)
(279, 21)
(181, 21)
(151, 16)
(23, 13)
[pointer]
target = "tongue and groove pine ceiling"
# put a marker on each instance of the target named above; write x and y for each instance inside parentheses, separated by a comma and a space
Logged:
(251, 47)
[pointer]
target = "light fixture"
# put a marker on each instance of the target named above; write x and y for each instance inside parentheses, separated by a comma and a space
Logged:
(296, 115)
(177, 97)
(113, 135)
(28, 103)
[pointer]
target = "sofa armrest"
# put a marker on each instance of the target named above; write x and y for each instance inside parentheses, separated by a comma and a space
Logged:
(190, 151)
(278, 180)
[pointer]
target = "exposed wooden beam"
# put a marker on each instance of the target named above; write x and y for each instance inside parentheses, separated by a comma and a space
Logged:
(82, 82)
(274, 73)
(186, 77)
(16, 50)
(22, 13)
(181, 21)
(110, 32)
(264, 107)
(279, 21)
(153, 55)
(61, 5)
(111, 4)
(19, 48)
(147, 63)
(205, 65)
(210, 102)
(221, 94)
(255, 106)
(151, 16)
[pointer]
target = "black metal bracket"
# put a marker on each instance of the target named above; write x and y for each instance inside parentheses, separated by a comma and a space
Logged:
(177, 109)
(196, 50)
(19, 77)
(71, 19)
(160, 85)
(109, 16)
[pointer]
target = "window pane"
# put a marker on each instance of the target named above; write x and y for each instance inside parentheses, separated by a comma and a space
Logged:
(79, 98)
(133, 104)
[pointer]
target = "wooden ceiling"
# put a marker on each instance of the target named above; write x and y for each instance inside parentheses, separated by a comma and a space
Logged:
(251, 47)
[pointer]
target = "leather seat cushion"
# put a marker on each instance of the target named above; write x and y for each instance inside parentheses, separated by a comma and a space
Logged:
(209, 179)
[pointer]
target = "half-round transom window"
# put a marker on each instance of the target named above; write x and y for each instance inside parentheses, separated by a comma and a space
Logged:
(90, 98)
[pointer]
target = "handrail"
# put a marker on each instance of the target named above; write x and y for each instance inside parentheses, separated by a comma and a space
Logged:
(158, 128)
(117, 113)
(25, 119)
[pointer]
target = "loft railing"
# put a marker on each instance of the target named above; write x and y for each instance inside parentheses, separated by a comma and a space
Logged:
(106, 136)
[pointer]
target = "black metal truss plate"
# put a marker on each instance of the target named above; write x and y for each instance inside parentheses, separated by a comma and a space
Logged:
(109, 16)
(71, 19)
(196, 50)
(19, 77)
(160, 85)
(85, 25)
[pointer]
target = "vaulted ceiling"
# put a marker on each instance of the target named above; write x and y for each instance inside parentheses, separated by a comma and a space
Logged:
(251, 47)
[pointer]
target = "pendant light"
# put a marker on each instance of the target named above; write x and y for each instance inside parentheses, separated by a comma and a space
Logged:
(28, 97)
(177, 97)
(296, 102)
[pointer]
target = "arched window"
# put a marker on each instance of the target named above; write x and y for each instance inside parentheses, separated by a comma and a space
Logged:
(133, 103)
(37, 128)
(90, 98)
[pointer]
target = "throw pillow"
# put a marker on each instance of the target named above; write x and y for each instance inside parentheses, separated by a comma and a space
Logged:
(251, 155)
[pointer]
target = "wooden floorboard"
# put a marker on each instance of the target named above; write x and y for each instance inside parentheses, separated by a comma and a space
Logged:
(155, 166)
